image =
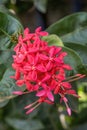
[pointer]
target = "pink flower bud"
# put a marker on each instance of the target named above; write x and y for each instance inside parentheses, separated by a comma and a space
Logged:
(29, 111)
(69, 111)
(17, 92)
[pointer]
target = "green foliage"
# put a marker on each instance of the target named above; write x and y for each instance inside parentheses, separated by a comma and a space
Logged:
(72, 30)
(69, 25)
(53, 40)
(69, 33)
(10, 28)
(20, 124)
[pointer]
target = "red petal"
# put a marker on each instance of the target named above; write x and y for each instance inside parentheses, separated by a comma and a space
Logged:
(50, 96)
(40, 93)
(49, 102)
(35, 87)
(20, 58)
(68, 67)
(30, 59)
(47, 77)
(29, 111)
(71, 92)
(27, 67)
(26, 31)
(36, 59)
(58, 60)
(17, 75)
(34, 75)
(58, 49)
(69, 111)
(49, 66)
(28, 86)
(38, 29)
(66, 85)
(41, 68)
(62, 55)
(43, 57)
(20, 82)
(52, 50)
(43, 33)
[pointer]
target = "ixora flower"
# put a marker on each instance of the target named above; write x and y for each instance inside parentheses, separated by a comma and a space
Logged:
(41, 68)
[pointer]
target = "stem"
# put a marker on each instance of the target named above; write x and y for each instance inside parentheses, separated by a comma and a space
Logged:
(5, 33)
(74, 79)
(74, 76)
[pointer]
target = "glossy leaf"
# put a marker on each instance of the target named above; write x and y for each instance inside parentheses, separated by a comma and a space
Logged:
(73, 103)
(21, 124)
(10, 28)
(53, 40)
(7, 86)
(80, 49)
(3, 103)
(6, 57)
(72, 28)
(2, 70)
(78, 36)
(75, 61)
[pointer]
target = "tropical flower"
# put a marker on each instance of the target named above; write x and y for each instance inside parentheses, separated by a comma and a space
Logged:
(41, 68)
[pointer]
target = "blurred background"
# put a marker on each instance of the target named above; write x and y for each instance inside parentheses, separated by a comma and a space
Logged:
(34, 13)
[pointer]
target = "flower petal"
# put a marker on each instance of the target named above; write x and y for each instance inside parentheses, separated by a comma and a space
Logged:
(69, 111)
(50, 96)
(41, 68)
(40, 93)
(47, 77)
(20, 82)
(52, 50)
(43, 57)
(66, 85)
(67, 67)
(49, 66)
(34, 75)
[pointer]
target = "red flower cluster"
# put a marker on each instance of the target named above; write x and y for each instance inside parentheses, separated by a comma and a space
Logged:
(42, 69)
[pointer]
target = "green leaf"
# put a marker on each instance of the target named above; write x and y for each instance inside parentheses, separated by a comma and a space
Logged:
(53, 40)
(6, 58)
(21, 124)
(10, 28)
(80, 49)
(73, 103)
(74, 60)
(41, 5)
(7, 86)
(72, 28)
(2, 104)
(79, 36)
(2, 70)
(3, 9)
